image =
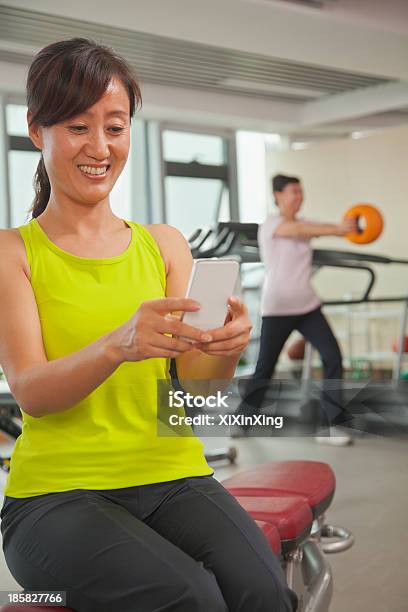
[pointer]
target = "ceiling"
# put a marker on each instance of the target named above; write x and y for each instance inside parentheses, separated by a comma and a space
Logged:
(316, 95)
(166, 61)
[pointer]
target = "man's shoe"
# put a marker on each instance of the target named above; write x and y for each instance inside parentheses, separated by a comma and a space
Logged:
(336, 436)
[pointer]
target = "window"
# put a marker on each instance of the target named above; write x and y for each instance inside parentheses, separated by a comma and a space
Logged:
(22, 167)
(189, 147)
(197, 183)
(195, 202)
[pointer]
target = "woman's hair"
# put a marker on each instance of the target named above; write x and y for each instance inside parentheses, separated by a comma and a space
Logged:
(65, 79)
(280, 181)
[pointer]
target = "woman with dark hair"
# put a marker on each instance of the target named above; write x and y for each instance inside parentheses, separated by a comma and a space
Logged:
(97, 503)
(290, 303)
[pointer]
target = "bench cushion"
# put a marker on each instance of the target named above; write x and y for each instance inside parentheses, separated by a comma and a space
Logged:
(314, 481)
(291, 516)
(272, 535)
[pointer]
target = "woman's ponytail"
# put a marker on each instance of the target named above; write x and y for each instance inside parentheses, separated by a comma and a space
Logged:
(42, 189)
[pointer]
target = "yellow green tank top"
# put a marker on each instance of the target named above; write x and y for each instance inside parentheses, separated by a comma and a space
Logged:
(109, 439)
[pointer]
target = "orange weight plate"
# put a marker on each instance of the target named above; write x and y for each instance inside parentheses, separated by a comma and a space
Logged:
(373, 219)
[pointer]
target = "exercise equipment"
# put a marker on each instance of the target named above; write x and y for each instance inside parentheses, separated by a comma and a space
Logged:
(288, 501)
(296, 350)
(10, 420)
(293, 497)
(353, 260)
(373, 223)
(396, 344)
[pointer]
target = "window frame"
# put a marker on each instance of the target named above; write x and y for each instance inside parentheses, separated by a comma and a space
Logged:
(226, 172)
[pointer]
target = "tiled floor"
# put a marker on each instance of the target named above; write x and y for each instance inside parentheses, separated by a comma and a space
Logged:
(371, 500)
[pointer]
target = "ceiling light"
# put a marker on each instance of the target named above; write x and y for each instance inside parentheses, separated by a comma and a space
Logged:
(272, 139)
(358, 135)
(299, 146)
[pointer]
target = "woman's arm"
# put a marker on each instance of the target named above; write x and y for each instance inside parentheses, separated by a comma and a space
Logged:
(303, 229)
(35, 382)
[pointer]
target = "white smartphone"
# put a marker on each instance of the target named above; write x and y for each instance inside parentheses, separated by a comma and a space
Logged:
(212, 282)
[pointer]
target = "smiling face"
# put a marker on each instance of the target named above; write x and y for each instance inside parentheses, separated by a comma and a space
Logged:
(85, 155)
(290, 199)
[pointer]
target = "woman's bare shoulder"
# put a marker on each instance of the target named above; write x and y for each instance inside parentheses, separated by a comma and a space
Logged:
(169, 239)
(163, 230)
(12, 249)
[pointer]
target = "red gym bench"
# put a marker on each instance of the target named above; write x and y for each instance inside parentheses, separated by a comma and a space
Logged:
(293, 497)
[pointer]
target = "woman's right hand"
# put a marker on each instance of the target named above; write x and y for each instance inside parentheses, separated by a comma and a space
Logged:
(347, 226)
(143, 335)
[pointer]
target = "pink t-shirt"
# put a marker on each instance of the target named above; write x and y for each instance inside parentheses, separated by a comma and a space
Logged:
(287, 288)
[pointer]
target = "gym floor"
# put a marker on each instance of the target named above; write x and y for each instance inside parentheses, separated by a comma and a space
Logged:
(371, 500)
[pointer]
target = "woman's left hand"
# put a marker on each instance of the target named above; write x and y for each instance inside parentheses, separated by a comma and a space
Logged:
(233, 337)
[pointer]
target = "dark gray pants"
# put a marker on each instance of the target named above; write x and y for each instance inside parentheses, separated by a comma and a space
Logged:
(275, 331)
(180, 546)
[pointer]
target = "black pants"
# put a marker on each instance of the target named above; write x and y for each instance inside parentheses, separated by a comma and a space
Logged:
(178, 546)
(275, 331)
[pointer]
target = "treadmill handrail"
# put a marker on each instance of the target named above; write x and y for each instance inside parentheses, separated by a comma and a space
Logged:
(198, 232)
(219, 241)
(200, 241)
(353, 266)
(330, 254)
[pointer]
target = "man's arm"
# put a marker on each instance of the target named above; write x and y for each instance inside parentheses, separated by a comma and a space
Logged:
(305, 229)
